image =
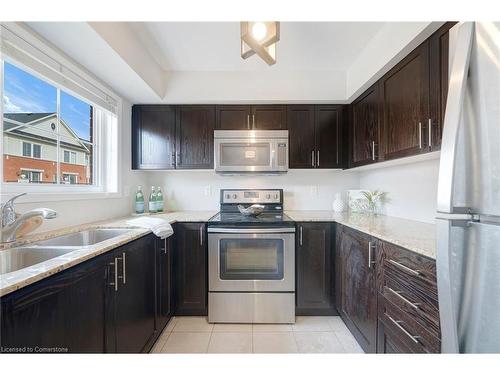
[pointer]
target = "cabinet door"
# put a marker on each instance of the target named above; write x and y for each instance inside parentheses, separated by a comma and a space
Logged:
(268, 117)
(314, 267)
(153, 137)
(300, 124)
(164, 281)
(66, 311)
(134, 303)
(439, 45)
(364, 128)
(328, 125)
(359, 294)
(233, 117)
(191, 267)
(405, 100)
(195, 137)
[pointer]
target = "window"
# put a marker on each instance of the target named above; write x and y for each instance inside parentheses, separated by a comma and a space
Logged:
(31, 113)
(53, 104)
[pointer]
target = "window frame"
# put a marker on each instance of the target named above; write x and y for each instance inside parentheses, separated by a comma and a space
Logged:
(103, 186)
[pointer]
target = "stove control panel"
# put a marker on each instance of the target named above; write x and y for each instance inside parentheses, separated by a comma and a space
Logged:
(237, 196)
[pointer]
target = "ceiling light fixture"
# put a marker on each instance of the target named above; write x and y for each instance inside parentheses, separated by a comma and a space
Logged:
(260, 38)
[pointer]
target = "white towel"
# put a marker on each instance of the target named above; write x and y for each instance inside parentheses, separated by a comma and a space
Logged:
(160, 227)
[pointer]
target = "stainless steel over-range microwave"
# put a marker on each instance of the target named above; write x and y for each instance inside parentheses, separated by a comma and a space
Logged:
(251, 151)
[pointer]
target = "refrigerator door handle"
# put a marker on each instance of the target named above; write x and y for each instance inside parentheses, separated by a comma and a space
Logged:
(456, 93)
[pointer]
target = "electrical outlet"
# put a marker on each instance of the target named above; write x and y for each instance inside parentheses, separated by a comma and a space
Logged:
(208, 191)
(313, 189)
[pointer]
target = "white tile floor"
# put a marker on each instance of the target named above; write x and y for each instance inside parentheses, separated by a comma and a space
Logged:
(310, 334)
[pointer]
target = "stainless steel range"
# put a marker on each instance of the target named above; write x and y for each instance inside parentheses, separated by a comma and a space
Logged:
(251, 260)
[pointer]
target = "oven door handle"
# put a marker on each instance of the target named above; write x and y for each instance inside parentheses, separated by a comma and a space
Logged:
(251, 230)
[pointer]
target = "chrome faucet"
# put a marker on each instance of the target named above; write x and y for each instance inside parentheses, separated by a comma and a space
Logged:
(12, 221)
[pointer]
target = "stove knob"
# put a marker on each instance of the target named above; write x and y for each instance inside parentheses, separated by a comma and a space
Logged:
(235, 196)
(228, 196)
(275, 196)
(268, 196)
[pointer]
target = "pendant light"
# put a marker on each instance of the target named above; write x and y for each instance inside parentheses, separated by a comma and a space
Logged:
(260, 38)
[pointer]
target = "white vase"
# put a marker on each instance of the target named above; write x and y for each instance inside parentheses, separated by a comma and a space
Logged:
(338, 204)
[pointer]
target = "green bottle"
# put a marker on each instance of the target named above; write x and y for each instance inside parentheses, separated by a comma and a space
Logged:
(139, 201)
(159, 200)
(152, 200)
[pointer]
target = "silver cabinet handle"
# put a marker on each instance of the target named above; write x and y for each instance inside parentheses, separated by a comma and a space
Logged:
(300, 235)
(201, 235)
(173, 158)
(430, 133)
(253, 121)
(124, 269)
(317, 158)
(373, 150)
(115, 284)
(400, 295)
(312, 158)
(419, 135)
(404, 268)
(177, 158)
(165, 248)
(370, 249)
(397, 323)
(248, 121)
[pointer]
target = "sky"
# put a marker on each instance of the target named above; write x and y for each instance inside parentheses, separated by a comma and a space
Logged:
(24, 93)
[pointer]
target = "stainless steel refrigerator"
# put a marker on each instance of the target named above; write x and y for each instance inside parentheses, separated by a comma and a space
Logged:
(468, 217)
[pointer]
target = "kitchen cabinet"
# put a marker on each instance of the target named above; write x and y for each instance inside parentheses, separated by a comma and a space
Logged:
(134, 298)
(251, 117)
(408, 302)
(164, 283)
(356, 285)
(439, 70)
(315, 136)
(364, 128)
(191, 265)
(68, 311)
(153, 137)
(302, 144)
(195, 137)
(314, 269)
(405, 105)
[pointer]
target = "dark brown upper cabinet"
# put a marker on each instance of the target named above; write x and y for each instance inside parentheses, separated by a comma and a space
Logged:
(251, 117)
(233, 117)
(302, 145)
(364, 128)
(328, 134)
(314, 269)
(195, 137)
(153, 137)
(315, 136)
(439, 60)
(405, 105)
(356, 285)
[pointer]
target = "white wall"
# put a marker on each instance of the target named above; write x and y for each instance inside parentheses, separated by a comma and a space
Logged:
(304, 189)
(85, 211)
(411, 188)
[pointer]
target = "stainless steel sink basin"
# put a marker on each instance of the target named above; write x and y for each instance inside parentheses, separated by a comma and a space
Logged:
(84, 238)
(21, 257)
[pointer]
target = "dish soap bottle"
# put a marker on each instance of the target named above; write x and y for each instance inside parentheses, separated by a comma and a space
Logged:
(139, 201)
(152, 201)
(159, 200)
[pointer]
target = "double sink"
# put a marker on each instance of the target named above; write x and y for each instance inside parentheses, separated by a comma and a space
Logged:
(25, 256)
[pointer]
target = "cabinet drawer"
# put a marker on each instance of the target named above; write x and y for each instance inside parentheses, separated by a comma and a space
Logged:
(412, 302)
(410, 268)
(414, 336)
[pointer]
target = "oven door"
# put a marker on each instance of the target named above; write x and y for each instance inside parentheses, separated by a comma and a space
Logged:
(248, 260)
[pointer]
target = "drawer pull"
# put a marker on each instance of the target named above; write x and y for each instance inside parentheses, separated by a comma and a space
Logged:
(397, 323)
(404, 268)
(400, 295)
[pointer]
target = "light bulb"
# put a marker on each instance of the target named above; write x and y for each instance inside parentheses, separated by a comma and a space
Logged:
(259, 31)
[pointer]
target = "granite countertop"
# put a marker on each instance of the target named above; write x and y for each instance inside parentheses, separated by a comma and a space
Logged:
(15, 280)
(412, 235)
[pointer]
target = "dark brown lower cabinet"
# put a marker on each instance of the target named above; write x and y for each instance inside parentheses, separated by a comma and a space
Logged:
(134, 299)
(190, 259)
(164, 283)
(356, 285)
(314, 269)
